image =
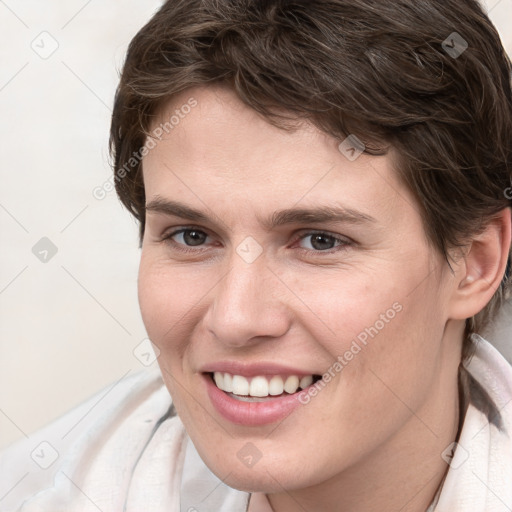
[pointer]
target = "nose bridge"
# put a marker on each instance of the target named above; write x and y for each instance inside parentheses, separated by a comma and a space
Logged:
(244, 304)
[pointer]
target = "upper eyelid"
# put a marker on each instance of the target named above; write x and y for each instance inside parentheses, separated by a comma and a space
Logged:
(177, 229)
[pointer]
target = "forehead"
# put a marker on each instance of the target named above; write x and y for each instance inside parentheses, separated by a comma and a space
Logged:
(223, 150)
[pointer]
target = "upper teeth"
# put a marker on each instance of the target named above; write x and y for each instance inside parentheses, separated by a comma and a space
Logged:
(260, 386)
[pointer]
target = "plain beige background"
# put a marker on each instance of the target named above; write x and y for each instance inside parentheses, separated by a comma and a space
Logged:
(70, 323)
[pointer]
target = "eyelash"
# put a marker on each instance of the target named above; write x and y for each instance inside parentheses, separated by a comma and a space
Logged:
(343, 243)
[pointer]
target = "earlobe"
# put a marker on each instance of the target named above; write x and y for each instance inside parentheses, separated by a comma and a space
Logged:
(482, 268)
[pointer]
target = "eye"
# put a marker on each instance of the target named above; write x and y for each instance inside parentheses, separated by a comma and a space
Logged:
(187, 238)
(323, 242)
(183, 238)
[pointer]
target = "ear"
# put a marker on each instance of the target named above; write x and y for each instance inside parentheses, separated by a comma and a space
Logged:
(480, 271)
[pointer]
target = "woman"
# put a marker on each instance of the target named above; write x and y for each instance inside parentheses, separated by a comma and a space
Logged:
(325, 230)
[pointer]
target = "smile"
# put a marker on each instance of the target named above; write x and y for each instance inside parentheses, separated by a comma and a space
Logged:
(260, 387)
(257, 400)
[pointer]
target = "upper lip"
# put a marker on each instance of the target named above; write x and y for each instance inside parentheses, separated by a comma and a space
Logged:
(254, 369)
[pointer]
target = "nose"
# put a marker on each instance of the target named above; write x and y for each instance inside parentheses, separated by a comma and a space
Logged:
(248, 304)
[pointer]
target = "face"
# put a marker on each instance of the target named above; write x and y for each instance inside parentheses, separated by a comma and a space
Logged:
(274, 257)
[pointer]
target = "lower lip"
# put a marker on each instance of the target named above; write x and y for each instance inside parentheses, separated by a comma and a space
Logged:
(251, 413)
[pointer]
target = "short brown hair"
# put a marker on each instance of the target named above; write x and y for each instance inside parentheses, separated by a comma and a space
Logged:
(429, 78)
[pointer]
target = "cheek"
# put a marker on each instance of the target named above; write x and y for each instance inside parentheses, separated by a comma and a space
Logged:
(398, 343)
(153, 295)
(376, 325)
(342, 303)
(166, 299)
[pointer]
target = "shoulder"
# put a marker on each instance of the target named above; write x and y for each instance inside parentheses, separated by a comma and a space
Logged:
(481, 459)
(491, 383)
(104, 432)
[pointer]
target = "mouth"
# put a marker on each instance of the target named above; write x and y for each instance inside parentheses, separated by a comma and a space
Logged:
(260, 388)
(256, 394)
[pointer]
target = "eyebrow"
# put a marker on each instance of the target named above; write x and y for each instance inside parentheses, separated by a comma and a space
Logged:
(319, 214)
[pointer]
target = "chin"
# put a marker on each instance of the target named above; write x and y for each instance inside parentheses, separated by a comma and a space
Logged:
(251, 480)
(261, 476)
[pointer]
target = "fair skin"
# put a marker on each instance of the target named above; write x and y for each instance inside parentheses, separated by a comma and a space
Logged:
(372, 439)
